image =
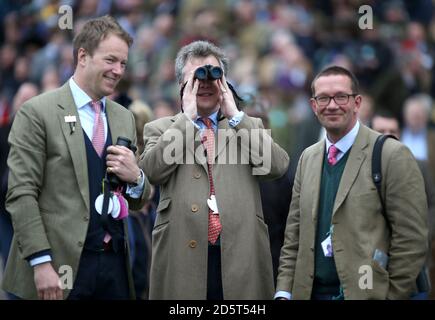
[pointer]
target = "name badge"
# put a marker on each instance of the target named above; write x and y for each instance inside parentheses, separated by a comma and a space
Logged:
(211, 202)
(69, 119)
(327, 246)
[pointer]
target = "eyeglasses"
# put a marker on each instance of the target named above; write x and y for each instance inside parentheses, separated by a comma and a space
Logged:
(340, 99)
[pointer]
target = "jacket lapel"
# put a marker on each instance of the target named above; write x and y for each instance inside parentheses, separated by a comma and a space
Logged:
(116, 126)
(74, 140)
(353, 165)
(315, 176)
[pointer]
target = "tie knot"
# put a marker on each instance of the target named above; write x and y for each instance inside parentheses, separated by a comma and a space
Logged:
(96, 105)
(332, 155)
(333, 151)
(208, 123)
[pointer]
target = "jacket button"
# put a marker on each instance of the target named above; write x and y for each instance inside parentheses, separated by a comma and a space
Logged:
(80, 243)
(192, 244)
(86, 218)
(197, 175)
(311, 276)
(312, 248)
(195, 207)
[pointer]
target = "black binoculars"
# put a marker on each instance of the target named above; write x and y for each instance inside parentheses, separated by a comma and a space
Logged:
(208, 72)
(113, 179)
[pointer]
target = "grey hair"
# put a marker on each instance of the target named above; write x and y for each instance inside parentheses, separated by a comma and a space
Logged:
(198, 49)
(423, 99)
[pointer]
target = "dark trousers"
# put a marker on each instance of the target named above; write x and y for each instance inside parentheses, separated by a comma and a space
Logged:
(214, 273)
(101, 276)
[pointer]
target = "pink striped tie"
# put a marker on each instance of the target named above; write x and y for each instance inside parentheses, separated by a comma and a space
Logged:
(98, 138)
(332, 155)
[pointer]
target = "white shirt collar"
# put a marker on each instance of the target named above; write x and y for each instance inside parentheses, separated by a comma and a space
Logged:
(345, 143)
(80, 97)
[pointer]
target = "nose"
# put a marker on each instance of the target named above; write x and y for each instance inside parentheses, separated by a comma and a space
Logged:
(118, 68)
(332, 104)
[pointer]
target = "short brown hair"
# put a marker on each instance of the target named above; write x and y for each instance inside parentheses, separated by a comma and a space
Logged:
(96, 30)
(337, 70)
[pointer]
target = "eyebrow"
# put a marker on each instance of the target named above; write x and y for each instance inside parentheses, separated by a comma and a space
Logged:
(109, 55)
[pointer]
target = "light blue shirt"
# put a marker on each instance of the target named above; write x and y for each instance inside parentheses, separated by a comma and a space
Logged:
(416, 142)
(344, 144)
(234, 121)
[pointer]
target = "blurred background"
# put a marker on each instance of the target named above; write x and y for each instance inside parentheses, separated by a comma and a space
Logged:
(275, 48)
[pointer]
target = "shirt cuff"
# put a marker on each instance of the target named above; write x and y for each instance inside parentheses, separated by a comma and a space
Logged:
(234, 121)
(39, 260)
(135, 192)
(283, 294)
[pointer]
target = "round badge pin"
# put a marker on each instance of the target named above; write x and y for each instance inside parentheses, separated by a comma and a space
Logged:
(99, 204)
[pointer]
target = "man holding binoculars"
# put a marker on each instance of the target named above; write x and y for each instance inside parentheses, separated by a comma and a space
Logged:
(209, 240)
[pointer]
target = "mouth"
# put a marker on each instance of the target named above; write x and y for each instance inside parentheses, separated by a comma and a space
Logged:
(204, 94)
(110, 79)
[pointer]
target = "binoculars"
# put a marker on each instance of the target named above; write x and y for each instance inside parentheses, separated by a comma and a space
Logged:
(114, 181)
(208, 72)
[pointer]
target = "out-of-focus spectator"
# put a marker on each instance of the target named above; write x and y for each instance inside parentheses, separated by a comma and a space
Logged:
(416, 134)
(26, 91)
(142, 115)
(163, 108)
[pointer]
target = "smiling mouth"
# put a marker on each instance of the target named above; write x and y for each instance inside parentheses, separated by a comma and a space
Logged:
(110, 79)
(207, 94)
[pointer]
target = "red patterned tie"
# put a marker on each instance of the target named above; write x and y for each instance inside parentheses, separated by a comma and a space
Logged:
(214, 224)
(98, 138)
(332, 155)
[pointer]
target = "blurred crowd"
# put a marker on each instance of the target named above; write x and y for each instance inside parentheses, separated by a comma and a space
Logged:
(276, 46)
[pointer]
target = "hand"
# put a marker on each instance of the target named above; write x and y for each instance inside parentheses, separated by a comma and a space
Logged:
(121, 161)
(226, 100)
(47, 282)
(189, 97)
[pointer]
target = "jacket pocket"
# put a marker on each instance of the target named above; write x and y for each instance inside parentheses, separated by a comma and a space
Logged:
(162, 213)
(381, 283)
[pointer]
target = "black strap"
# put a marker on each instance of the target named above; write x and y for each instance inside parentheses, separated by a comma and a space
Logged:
(106, 197)
(377, 170)
(423, 283)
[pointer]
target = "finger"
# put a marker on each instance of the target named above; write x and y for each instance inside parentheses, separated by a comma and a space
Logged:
(195, 87)
(224, 89)
(117, 150)
(189, 84)
(59, 294)
(112, 169)
(53, 294)
(40, 294)
(45, 295)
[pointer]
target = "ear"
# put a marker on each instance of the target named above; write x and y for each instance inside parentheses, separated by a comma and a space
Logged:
(313, 105)
(81, 56)
(358, 100)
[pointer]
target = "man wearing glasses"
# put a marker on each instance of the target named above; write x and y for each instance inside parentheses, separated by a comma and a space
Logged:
(335, 205)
